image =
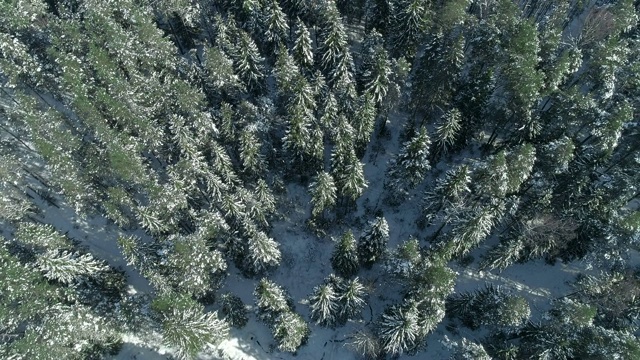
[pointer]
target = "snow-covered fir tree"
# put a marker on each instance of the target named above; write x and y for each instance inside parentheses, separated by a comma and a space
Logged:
(323, 193)
(323, 304)
(234, 311)
(398, 329)
(410, 166)
(372, 244)
(303, 46)
(271, 299)
(291, 331)
(492, 306)
(344, 259)
(351, 298)
(189, 330)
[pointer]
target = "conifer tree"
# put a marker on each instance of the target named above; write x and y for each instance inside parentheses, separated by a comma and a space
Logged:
(344, 259)
(302, 46)
(376, 74)
(351, 298)
(263, 252)
(248, 61)
(291, 331)
(520, 162)
(68, 267)
(323, 304)
(467, 350)
(364, 122)
(447, 132)
(186, 326)
(347, 170)
(410, 166)
(398, 329)
(490, 306)
(410, 20)
(271, 299)
(472, 229)
(494, 176)
(189, 264)
(365, 343)
(323, 193)
(252, 159)
(234, 310)
(333, 40)
(372, 243)
(277, 28)
(438, 72)
(377, 15)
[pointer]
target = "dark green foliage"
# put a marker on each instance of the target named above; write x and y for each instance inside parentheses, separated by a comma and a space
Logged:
(186, 326)
(410, 166)
(351, 298)
(168, 119)
(372, 244)
(234, 310)
(291, 331)
(344, 259)
(323, 304)
(491, 306)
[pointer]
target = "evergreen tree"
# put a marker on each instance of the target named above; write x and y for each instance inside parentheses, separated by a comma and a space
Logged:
(276, 24)
(438, 73)
(410, 166)
(323, 193)
(248, 61)
(187, 328)
(323, 304)
(365, 343)
(14, 203)
(351, 294)
(263, 252)
(402, 261)
(234, 310)
(349, 173)
(333, 40)
(521, 162)
(491, 306)
(372, 243)
(410, 20)
(375, 69)
(68, 267)
(344, 259)
(447, 132)
(494, 176)
(302, 46)
(42, 320)
(364, 122)
(398, 329)
(468, 350)
(291, 331)
(377, 15)
(472, 229)
(271, 300)
(252, 159)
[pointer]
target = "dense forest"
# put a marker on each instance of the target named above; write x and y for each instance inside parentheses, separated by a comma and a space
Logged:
(340, 179)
